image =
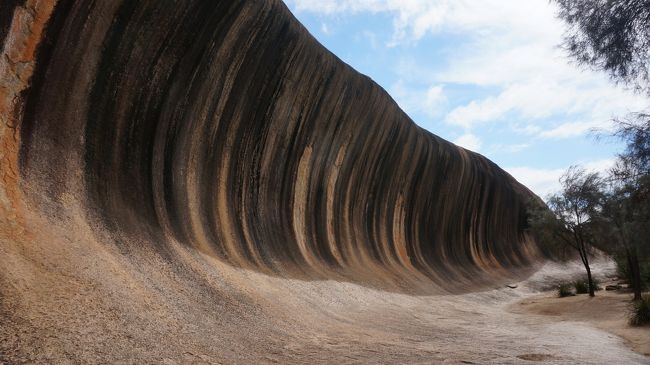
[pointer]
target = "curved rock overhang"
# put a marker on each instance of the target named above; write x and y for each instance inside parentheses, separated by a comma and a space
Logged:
(225, 126)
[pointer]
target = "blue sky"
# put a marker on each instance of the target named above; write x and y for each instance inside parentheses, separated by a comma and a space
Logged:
(485, 74)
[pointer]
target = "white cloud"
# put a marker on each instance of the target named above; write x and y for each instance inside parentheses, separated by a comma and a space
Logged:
(490, 19)
(544, 182)
(571, 129)
(509, 148)
(510, 45)
(434, 99)
(476, 112)
(514, 148)
(541, 181)
(431, 101)
(505, 55)
(601, 166)
(325, 29)
(469, 141)
(528, 129)
(534, 98)
(413, 19)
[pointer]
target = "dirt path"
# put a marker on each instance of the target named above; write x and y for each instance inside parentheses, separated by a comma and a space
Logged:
(607, 311)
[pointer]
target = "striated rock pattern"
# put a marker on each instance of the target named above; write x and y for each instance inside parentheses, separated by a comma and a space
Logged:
(200, 181)
(223, 125)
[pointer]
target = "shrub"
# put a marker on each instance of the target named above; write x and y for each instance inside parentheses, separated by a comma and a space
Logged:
(564, 290)
(640, 311)
(645, 274)
(582, 285)
(622, 268)
(623, 271)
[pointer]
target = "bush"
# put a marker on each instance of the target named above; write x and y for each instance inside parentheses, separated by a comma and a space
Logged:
(645, 274)
(640, 311)
(623, 271)
(622, 268)
(564, 290)
(582, 285)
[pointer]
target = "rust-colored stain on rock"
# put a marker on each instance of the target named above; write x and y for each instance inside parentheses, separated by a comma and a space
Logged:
(25, 32)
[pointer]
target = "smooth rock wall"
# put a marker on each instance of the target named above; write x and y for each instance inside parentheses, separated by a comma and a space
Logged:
(224, 125)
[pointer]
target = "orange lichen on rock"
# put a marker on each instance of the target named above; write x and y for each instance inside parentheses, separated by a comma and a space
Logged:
(16, 68)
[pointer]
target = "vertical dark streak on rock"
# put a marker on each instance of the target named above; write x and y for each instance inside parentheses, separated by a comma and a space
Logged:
(225, 126)
(31, 95)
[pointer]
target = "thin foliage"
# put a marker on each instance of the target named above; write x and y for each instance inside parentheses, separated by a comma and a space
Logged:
(610, 35)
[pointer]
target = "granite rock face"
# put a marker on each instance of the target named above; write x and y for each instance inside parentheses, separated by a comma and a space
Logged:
(200, 181)
(226, 127)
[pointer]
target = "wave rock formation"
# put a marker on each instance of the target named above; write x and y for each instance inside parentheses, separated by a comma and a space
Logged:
(148, 134)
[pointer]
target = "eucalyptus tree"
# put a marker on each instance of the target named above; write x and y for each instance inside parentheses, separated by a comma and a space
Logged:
(576, 208)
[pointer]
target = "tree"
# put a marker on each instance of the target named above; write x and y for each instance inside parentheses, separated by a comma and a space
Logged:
(614, 36)
(620, 233)
(611, 35)
(549, 233)
(634, 162)
(575, 208)
(627, 207)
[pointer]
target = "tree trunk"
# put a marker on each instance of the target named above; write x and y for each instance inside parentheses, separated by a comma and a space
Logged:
(582, 249)
(592, 291)
(585, 261)
(635, 273)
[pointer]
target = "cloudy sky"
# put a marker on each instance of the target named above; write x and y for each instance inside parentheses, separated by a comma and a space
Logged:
(486, 74)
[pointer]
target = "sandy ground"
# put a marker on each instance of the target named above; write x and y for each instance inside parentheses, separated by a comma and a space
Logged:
(66, 300)
(607, 311)
(69, 296)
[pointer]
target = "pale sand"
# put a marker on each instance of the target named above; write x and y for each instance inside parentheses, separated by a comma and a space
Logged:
(607, 311)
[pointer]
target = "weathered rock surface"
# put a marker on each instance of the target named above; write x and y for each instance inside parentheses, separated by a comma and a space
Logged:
(225, 126)
(135, 129)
